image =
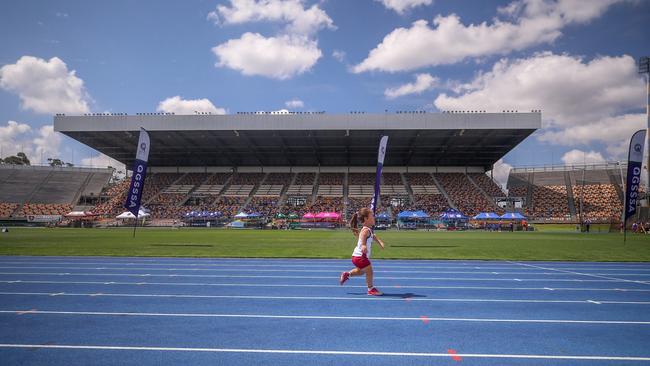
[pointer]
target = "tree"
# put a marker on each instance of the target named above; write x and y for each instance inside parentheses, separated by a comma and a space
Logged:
(23, 157)
(18, 159)
(55, 162)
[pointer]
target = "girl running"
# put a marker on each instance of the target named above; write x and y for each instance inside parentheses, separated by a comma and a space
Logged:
(361, 254)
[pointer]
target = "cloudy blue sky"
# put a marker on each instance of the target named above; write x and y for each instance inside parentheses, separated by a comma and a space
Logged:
(573, 59)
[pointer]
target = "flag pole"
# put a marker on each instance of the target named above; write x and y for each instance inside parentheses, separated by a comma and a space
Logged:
(135, 225)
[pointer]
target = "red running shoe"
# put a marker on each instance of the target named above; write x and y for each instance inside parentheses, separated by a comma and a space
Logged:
(374, 292)
(344, 277)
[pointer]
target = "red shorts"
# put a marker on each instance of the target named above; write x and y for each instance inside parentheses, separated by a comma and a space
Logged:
(361, 262)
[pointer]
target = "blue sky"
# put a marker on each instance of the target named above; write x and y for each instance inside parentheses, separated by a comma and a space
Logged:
(574, 60)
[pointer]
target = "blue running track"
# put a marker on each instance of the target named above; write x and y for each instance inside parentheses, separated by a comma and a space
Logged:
(151, 311)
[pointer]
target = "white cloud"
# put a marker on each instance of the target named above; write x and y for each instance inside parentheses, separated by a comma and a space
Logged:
(18, 137)
(339, 55)
(294, 103)
(177, 105)
(423, 82)
(581, 102)
(579, 157)
(279, 57)
(400, 6)
(47, 142)
(45, 86)
(501, 172)
(450, 41)
(299, 19)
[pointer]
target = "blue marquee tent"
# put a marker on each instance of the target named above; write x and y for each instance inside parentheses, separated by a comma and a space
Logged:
(512, 216)
(486, 216)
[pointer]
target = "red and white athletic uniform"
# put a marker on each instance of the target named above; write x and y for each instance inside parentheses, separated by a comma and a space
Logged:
(359, 259)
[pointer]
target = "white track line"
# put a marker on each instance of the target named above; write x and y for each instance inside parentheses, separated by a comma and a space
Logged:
(329, 298)
(320, 317)
(304, 277)
(297, 270)
(326, 352)
(323, 285)
(338, 266)
(608, 277)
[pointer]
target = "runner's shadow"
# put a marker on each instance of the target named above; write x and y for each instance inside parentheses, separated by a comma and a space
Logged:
(406, 295)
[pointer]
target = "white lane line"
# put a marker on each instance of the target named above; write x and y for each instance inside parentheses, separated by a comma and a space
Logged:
(307, 277)
(324, 285)
(326, 352)
(322, 317)
(286, 270)
(608, 277)
(337, 266)
(331, 298)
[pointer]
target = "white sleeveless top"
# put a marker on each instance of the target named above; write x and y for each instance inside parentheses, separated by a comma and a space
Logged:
(357, 250)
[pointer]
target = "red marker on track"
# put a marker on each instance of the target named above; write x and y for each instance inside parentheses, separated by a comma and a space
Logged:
(454, 355)
(425, 320)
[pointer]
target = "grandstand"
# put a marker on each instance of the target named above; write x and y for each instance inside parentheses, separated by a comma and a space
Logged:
(299, 163)
(27, 191)
(569, 193)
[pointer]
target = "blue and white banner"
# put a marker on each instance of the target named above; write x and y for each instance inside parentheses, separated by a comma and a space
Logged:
(139, 174)
(634, 161)
(380, 164)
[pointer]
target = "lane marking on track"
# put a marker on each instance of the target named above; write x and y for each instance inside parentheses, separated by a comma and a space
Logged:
(306, 277)
(423, 318)
(582, 274)
(26, 282)
(328, 298)
(26, 312)
(594, 302)
(337, 266)
(325, 352)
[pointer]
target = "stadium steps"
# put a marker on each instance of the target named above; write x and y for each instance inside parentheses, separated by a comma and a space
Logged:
(162, 189)
(529, 191)
(82, 188)
(314, 194)
(409, 190)
(571, 199)
(617, 185)
(7, 176)
(37, 187)
(346, 186)
(444, 193)
(489, 198)
(283, 195)
(189, 194)
(252, 194)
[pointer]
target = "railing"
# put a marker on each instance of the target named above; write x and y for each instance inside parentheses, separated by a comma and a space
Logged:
(574, 167)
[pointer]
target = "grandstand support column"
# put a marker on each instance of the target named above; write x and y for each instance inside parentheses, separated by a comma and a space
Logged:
(285, 189)
(644, 68)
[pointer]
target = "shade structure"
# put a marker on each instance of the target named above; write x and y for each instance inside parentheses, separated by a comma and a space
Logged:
(413, 215)
(327, 215)
(383, 216)
(254, 214)
(486, 216)
(293, 216)
(309, 215)
(80, 214)
(512, 216)
(280, 216)
(452, 214)
(241, 215)
(129, 215)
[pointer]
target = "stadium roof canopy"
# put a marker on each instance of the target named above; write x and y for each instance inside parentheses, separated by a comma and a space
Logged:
(416, 139)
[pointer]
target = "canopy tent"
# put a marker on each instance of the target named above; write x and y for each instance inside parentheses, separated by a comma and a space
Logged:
(292, 216)
(280, 216)
(80, 214)
(238, 224)
(512, 216)
(415, 215)
(383, 216)
(203, 214)
(241, 215)
(327, 215)
(486, 216)
(452, 214)
(309, 215)
(129, 215)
